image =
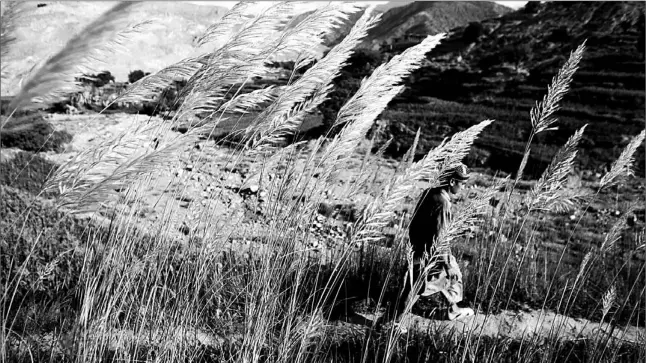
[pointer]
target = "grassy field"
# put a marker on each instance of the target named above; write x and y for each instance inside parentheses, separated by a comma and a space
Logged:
(261, 272)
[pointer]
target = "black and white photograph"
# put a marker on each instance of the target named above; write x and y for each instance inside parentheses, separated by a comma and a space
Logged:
(323, 181)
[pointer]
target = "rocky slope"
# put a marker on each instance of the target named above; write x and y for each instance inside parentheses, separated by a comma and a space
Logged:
(501, 67)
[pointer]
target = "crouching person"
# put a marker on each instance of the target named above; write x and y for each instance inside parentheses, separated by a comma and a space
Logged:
(431, 216)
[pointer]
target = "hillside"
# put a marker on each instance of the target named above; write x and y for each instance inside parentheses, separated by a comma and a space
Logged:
(419, 17)
(502, 67)
(42, 31)
(431, 17)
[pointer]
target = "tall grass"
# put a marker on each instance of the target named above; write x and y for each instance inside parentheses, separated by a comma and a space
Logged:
(149, 295)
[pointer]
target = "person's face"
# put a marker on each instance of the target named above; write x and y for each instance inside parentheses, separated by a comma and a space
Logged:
(455, 186)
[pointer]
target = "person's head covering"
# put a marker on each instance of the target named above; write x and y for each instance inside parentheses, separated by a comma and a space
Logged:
(458, 172)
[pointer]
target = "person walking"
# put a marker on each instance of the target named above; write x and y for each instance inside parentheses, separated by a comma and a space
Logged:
(430, 218)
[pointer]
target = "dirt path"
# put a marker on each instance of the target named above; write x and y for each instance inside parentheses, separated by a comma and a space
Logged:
(530, 326)
(524, 325)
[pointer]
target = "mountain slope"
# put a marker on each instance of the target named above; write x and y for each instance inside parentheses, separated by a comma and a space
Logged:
(504, 70)
(432, 17)
(419, 17)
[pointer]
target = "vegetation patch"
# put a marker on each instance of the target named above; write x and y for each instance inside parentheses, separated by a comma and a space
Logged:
(33, 133)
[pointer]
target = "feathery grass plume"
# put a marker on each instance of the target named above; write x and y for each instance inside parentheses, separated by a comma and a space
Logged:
(233, 57)
(409, 157)
(567, 199)
(226, 24)
(185, 69)
(246, 102)
(385, 77)
(541, 115)
(286, 114)
(523, 163)
(446, 155)
(545, 192)
(622, 167)
(584, 264)
(300, 39)
(466, 216)
(614, 234)
(382, 209)
(91, 179)
(382, 149)
(238, 60)
(10, 14)
(55, 78)
(374, 94)
(608, 301)
(151, 85)
(358, 114)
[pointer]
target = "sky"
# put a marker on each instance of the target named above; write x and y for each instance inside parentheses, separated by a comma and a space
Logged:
(309, 5)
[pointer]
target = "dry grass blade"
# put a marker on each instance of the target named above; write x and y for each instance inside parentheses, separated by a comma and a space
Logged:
(622, 167)
(373, 96)
(385, 77)
(248, 101)
(239, 60)
(226, 23)
(567, 199)
(151, 85)
(433, 166)
(285, 116)
(55, 78)
(541, 115)
(584, 265)
(93, 177)
(608, 300)
(409, 157)
(546, 190)
(301, 39)
(466, 217)
(359, 113)
(282, 116)
(611, 238)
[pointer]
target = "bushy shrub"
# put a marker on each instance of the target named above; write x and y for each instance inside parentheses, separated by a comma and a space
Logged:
(38, 136)
(43, 252)
(136, 75)
(26, 171)
(98, 80)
